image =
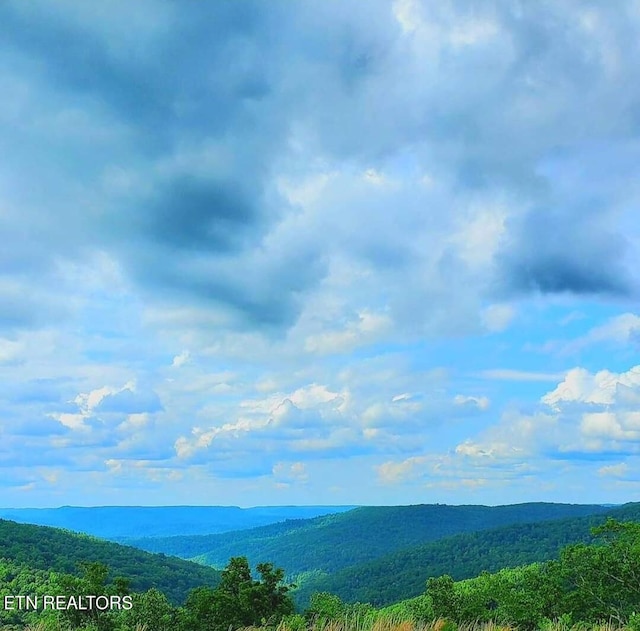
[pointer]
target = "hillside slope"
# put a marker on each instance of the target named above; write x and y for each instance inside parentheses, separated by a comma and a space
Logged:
(337, 541)
(44, 548)
(590, 583)
(403, 574)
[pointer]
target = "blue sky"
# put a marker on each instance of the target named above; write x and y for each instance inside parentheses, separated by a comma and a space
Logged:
(319, 252)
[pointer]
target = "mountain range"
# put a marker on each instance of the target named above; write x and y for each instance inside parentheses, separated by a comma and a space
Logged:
(119, 523)
(376, 554)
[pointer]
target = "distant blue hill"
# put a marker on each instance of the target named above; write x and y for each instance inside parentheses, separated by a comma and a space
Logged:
(119, 523)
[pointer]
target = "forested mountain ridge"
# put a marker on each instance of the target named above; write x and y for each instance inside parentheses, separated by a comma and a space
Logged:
(403, 574)
(52, 549)
(118, 523)
(592, 582)
(588, 584)
(337, 541)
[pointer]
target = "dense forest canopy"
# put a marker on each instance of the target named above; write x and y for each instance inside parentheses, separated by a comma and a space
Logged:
(589, 582)
(337, 541)
(401, 574)
(50, 549)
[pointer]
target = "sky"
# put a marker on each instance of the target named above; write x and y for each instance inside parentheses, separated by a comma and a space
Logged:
(320, 252)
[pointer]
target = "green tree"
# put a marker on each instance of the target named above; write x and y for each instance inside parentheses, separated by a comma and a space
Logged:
(602, 581)
(270, 599)
(93, 582)
(325, 606)
(199, 611)
(150, 610)
(475, 600)
(525, 596)
(234, 597)
(239, 600)
(443, 597)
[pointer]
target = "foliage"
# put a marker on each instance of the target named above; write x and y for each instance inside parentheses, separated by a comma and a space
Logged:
(44, 548)
(334, 542)
(325, 606)
(238, 600)
(384, 622)
(402, 573)
(589, 583)
(150, 610)
(419, 609)
(604, 580)
(19, 579)
(93, 582)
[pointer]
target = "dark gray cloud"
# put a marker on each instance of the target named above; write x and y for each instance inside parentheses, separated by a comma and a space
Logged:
(193, 85)
(568, 251)
(211, 216)
(158, 135)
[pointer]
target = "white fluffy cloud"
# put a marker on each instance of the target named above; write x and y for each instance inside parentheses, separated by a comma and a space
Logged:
(603, 387)
(588, 418)
(248, 236)
(586, 414)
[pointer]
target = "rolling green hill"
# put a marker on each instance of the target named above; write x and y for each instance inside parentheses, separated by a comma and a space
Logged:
(591, 583)
(403, 574)
(334, 542)
(44, 548)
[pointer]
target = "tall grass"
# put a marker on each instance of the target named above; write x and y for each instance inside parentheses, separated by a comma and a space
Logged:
(382, 623)
(396, 623)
